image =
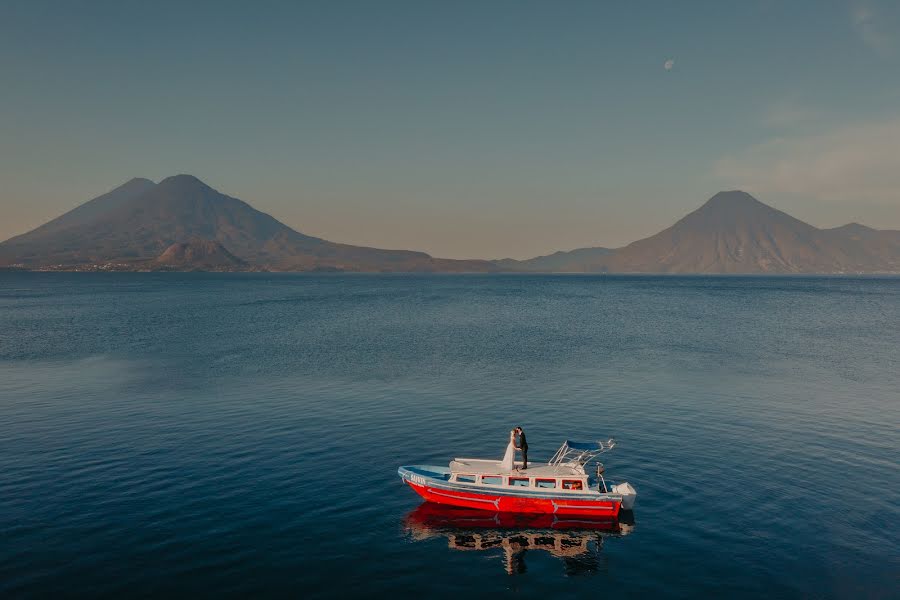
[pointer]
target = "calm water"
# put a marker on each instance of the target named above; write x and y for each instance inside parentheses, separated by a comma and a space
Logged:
(239, 434)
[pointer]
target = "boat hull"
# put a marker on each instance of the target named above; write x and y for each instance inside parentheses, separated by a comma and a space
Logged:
(434, 490)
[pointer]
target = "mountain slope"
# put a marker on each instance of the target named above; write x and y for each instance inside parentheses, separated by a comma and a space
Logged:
(93, 208)
(30, 247)
(141, 221)
(198, 254)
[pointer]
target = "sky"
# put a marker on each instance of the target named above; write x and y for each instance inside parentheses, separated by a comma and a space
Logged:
(483, 129)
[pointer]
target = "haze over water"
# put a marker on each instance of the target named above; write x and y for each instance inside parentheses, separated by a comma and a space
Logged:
(239, 434)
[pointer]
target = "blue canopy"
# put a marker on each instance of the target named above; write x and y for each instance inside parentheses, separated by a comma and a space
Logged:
(584, 445)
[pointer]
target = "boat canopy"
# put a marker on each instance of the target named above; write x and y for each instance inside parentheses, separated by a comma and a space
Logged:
(580, 453)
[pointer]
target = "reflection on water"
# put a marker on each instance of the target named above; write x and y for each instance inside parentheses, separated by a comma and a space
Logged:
(577, 541)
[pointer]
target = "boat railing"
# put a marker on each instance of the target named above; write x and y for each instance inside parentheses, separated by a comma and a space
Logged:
(580, 453)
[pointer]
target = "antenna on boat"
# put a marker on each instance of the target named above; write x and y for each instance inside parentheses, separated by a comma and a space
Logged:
(600, 480)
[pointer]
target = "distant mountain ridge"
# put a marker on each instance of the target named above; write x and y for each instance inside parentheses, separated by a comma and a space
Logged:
(582, 259)
(733, 232)
(183, 224)
(139, 220)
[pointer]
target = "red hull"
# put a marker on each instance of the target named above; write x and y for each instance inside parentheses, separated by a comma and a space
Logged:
(518, 504)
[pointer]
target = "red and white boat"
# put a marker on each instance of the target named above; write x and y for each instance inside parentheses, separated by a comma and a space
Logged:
(562, 486)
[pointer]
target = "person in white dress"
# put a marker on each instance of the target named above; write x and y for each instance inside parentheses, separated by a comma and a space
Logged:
(509, 458)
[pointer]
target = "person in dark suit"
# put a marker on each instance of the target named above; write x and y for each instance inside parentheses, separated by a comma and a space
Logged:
(522, 444)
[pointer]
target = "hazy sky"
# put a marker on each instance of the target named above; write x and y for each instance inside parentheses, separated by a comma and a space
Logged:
(464, 129)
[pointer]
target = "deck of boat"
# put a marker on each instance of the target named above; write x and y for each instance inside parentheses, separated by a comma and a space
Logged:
(478, 466)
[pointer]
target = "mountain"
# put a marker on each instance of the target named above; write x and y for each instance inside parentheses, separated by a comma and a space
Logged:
(733, 232)
(140, 220)
(582, 259)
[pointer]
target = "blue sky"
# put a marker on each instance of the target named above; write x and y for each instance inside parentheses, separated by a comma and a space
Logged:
(464, 129)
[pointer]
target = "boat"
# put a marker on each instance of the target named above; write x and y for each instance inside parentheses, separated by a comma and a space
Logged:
(562, 486)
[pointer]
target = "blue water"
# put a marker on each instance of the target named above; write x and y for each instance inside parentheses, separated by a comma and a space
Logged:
(239, 434)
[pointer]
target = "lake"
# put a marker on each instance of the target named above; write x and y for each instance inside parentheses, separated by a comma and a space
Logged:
(239, 434)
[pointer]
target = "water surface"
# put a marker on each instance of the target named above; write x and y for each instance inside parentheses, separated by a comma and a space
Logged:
(239, 434)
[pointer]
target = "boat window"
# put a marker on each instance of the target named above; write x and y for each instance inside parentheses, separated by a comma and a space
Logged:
(572, 484)
(465, 478)
(519, 481)
(545, 483)
(492, 479)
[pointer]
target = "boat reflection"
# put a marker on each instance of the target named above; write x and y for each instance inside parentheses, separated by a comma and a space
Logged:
(577, 541)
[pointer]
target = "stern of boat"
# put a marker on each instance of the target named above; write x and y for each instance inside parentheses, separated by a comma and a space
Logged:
(628, 493)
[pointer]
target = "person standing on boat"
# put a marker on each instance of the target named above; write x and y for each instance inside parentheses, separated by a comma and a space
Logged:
(522, 444)
(508, 462)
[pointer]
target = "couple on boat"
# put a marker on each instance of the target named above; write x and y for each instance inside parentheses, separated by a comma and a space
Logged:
(516, 442)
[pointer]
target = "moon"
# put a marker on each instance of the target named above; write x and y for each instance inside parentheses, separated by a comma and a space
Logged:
(669, 64)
